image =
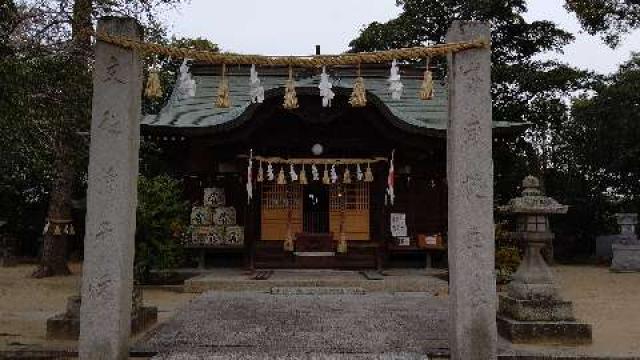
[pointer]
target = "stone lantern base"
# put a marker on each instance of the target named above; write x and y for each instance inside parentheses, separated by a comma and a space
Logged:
(66, 326)
(540, 321)
(626, 258)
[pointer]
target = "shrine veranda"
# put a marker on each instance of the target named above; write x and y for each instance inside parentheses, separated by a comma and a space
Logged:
(438, 152)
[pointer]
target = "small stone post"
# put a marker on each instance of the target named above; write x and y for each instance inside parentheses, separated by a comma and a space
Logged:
(472, 299)
(107, 277)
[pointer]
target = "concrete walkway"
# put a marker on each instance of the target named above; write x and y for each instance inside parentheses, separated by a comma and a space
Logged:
(236, 324)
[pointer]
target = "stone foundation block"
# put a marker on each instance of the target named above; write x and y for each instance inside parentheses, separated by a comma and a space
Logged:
(535, 310)
(65, 327)
(550, 332)
(626, 258)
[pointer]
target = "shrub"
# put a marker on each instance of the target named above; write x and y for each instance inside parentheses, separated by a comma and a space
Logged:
(162, 217)
(507, 254)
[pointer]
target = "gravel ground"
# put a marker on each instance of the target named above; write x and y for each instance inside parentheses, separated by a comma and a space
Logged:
(246, 324)
(609, 301)
(27, 303)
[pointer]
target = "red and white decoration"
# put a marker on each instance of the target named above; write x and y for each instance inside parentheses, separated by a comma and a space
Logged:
(391, 180)
(249, 178)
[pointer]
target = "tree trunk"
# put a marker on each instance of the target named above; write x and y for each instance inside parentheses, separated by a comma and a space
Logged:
(54, 248)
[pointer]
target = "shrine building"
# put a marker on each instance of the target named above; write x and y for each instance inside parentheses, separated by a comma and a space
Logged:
(309, 186)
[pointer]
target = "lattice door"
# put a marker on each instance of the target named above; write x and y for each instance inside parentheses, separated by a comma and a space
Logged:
(277, 202)
(352, 202)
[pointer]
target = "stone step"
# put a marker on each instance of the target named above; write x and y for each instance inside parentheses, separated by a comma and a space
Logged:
(308, 290)
(397, 280)
(544, 332)
(316, 356)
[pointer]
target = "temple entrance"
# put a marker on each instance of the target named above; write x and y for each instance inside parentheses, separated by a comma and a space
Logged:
(465, 114)
(315, 209)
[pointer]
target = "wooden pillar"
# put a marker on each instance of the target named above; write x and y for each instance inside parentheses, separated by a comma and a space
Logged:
(107, 276)
(472, 294)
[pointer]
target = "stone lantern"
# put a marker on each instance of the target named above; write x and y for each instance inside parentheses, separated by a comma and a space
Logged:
(531, 310)
(628, 223)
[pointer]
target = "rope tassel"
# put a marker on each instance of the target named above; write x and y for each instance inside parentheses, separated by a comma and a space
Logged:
(290, 97)
(282, 180)
(303, 176)
(325, 176)
(260, 177)
(154, 88)
(426, 90)
(223, 100)
(358, 96)
(347, 176)
(368, 175)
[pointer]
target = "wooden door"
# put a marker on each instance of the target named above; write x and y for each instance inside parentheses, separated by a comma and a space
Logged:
(277, 202)
(352, 202)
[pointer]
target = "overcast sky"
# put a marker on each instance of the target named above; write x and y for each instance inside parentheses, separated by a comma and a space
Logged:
(293, 27)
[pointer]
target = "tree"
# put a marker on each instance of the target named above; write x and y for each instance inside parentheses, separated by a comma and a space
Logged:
(523, 89)
(610, 18)
(605, 129)
(162, 217)
(51, 48)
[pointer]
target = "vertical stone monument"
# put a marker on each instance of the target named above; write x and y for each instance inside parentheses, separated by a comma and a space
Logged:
(626, 246)
(532, 310)
(472, 300)
(107, 275)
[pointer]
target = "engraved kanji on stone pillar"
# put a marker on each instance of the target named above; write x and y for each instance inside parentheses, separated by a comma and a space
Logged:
(472, 301)
(107, 276)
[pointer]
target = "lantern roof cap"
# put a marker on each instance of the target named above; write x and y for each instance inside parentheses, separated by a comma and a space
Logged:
(533, 201)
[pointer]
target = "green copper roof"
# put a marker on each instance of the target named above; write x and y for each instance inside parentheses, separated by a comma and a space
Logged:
(200, 111)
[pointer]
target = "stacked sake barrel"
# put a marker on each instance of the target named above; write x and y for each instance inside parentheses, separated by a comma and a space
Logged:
(214, 224)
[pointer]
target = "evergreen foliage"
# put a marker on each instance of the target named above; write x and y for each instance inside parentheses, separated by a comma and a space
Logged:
(162, 218)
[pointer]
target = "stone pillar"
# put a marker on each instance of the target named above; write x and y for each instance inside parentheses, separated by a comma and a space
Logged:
(472, 293)
(107, 277)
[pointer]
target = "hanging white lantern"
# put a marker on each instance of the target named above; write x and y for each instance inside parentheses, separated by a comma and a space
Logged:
(314, 172)
(325, 88)
(359, 174)
(292, 173)
(395, 85)
(317, 149)
(256, 93)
